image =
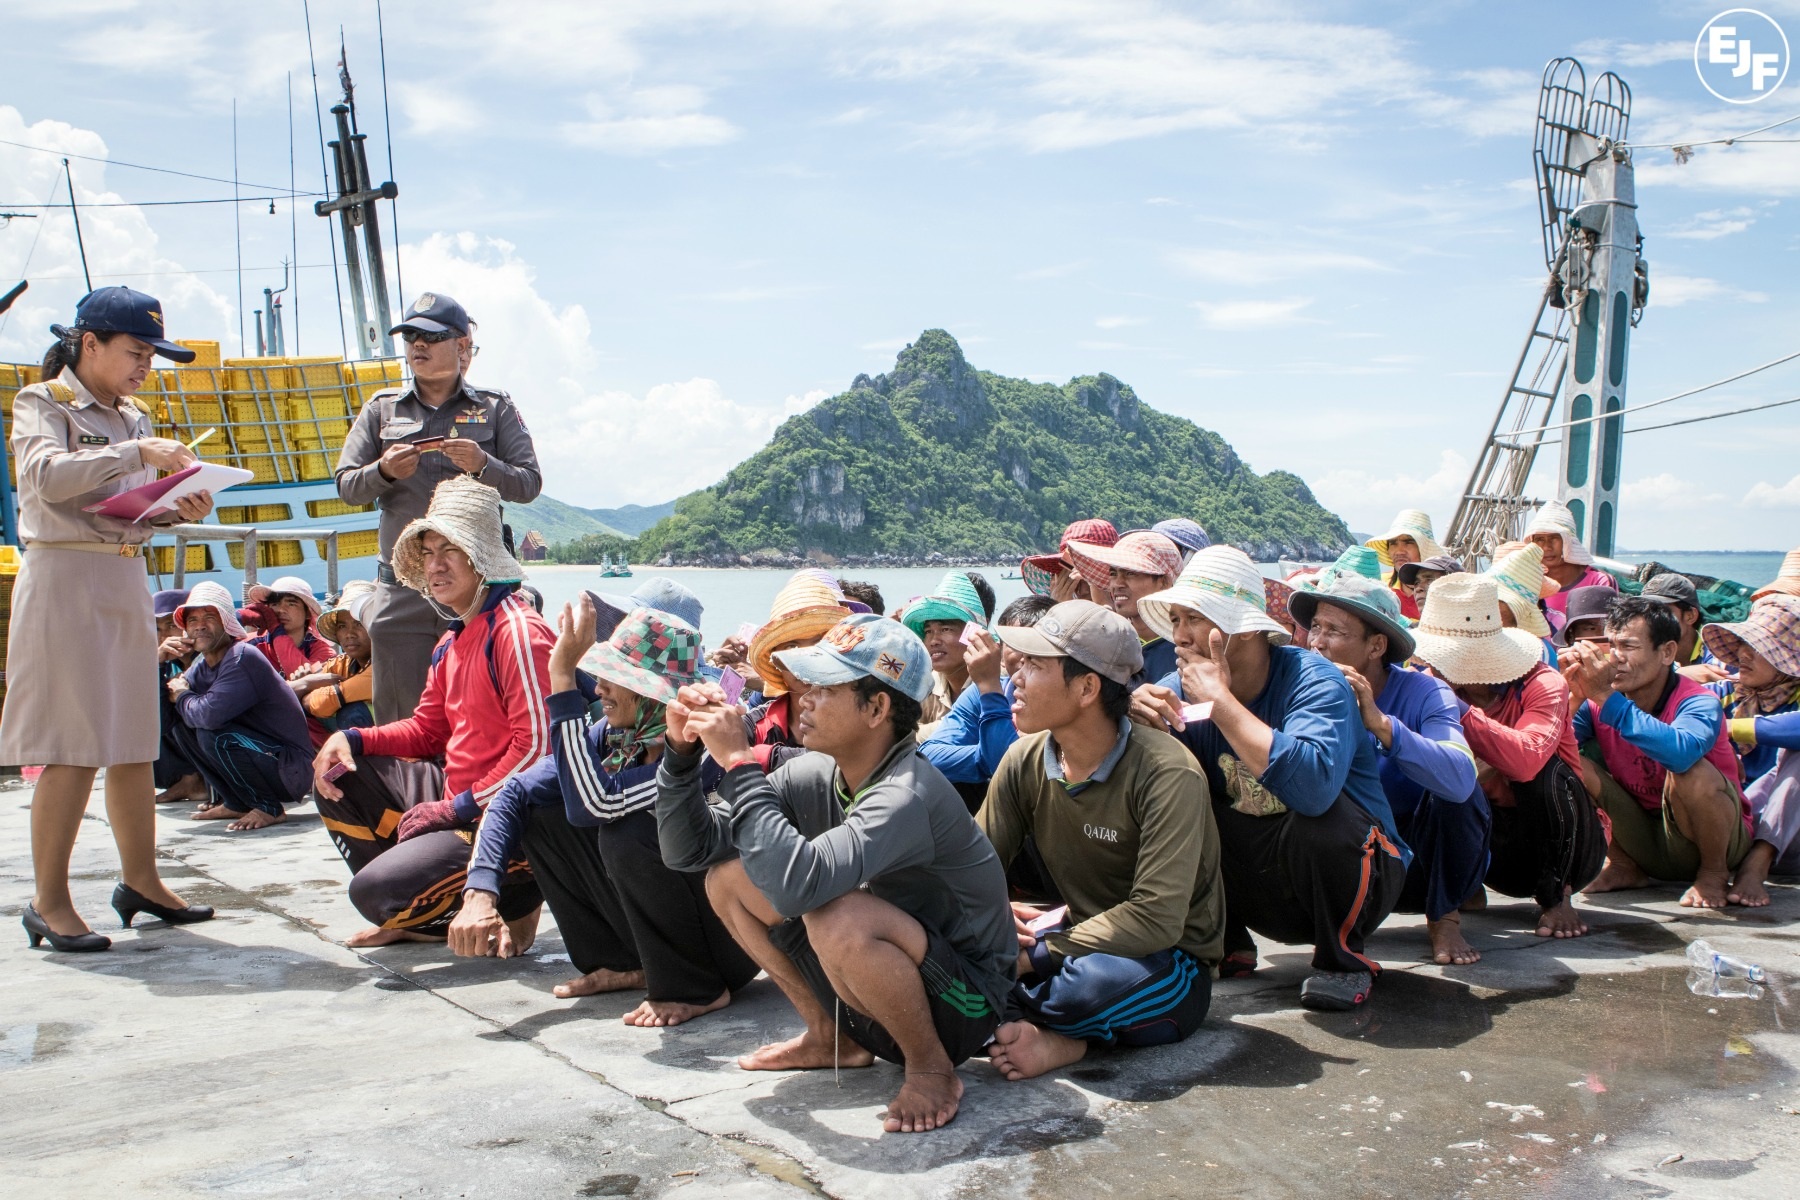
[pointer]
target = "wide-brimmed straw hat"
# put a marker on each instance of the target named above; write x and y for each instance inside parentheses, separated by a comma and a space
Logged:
(1039, 569)
(955, 599)
(1521, 579)
(1142, 551)
(1369, 601)
(650, 653)
(803, 610)
(1414, 523)
(1222, 585)
(211, 595)
(286, 585)
(467, 514)
(350, 606)
(1461, 636)
(1786, 581)
(1555, 517)
(1772, 630)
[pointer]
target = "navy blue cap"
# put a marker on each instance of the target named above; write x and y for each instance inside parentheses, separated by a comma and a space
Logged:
(164, 603)
(125, 310)
(432, 313)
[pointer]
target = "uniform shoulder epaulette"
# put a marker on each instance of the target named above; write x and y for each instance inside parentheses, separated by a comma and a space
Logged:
(384, 393)
(493, 393)
(142, 406)
(60, 392)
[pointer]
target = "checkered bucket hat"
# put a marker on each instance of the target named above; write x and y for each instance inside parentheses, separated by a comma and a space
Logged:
(650, 653)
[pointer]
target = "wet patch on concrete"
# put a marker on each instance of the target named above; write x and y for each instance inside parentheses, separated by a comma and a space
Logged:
(34, 1042)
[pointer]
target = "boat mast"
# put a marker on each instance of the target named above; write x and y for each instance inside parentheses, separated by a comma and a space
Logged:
(355, 207)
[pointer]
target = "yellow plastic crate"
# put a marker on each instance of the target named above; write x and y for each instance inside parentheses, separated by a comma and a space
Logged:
(359, 543)
(255, 514)
(335, 508)
(268, 554)
(161, 559)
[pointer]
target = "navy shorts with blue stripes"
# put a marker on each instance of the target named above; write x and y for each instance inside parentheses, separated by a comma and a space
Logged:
(1150, 1001)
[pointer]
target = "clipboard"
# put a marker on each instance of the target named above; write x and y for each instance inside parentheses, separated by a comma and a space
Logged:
(159, 496)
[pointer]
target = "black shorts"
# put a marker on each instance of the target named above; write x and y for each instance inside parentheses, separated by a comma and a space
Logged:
(963, 1017)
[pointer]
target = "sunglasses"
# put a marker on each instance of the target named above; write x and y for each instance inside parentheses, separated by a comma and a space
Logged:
(409, 336)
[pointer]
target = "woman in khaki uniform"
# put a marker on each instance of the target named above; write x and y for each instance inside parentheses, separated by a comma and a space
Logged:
(81, 655)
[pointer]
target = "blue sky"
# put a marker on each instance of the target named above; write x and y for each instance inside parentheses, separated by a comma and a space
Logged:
(1310, 227)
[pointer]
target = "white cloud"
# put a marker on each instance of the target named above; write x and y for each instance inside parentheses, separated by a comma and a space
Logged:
(433, 109)
(1234, 315)
(1118, 322)
(674, 438)
(1666, 492)
(1257, 266)
(1715, 224)
(1615, 54)
(649, 120)
(1367, 500)
(1672, 291)
(804, 401)
(1764, 495)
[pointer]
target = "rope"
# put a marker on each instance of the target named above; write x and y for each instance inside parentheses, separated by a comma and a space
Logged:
(113, 162)
(26, 269)
(1637, 408)
(1723, 141)
(1735, 412)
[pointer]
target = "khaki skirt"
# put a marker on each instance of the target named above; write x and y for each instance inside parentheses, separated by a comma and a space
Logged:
(80, 663)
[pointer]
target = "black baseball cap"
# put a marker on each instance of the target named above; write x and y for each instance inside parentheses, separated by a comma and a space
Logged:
(435, 313)
(1671, 588)
(124, 310)
(1443, 564)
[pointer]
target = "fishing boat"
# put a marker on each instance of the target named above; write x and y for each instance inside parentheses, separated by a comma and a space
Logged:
(614, 570)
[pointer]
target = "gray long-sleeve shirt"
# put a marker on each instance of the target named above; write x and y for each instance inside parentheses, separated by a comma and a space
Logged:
(804, 841)
(482, 415)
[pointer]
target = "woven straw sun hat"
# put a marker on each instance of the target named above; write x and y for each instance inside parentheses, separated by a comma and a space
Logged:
(1786, 581)
(1460, 634)
(1039, 569)
(1555, 517)
(803, 610)
(650, 653)
(1772, 630)
(465, 512)
(1521, 579)
(1414, 523)
(1222, 585)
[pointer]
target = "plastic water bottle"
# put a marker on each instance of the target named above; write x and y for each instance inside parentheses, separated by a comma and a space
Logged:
(1713, 974)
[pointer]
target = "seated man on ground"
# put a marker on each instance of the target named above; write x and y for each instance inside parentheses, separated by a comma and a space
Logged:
(853, 875)
(1567, 562)
(1408, 540)
(587, 823)
(1680, 594)
(1057, 575)
(864, 593)
(1308, 848)
(1417, 577)
(803, 611)
(1548, 839)
(1119, 814)
(291, 641)
(177, 778)
(1762, 708)
(1137, 565)
(940, 619)
(1586, 616)
(974, 736)
(1657, 757)
(1426, 768)
(239, 723)
(337, 693)
(403, 823)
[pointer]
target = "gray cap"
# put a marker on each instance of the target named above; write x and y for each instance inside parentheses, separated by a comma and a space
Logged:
(1671, 588)
(1097, 638)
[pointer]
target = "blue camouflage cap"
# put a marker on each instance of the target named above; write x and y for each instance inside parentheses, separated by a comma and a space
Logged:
(434, 312)
(124, 310)
(864, 645)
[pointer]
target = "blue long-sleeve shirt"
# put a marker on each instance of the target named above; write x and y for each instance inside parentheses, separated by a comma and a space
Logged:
(573, 777)
(245, 690)
(974, 735)
(1319, 752)
(1429, 752)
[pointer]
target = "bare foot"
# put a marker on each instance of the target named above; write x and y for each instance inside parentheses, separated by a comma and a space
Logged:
(595, 982)
(1021, 1050)
(377, 936)
(927, 1100)
(1618, 875)
(1708, 890)
(659, 1013)
(523, 932)
(256, 818)
(189, 787)
(215, 812)
(1747, 888)
(1476, 903)
(1448, 946)
(1561, 921)
(807, 1052)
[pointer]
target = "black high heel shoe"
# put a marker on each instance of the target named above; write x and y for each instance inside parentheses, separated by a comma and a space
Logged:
(128, 904)
(37, 929)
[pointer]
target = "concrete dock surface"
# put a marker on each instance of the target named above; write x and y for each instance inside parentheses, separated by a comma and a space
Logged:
(254, 1055)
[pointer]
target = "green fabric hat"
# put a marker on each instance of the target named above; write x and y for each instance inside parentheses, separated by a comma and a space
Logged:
(1357, 560)
(954, 600)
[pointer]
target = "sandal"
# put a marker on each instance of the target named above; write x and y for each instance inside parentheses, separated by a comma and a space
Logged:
(1236, 966)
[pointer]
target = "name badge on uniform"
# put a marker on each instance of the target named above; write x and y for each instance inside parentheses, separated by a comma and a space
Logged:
(400, 427)
(95, 439)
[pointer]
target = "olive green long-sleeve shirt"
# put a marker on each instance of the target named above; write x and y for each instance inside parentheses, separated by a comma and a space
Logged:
(1134, 851)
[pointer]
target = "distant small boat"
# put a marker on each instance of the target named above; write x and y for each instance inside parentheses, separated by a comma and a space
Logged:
(1010, 575)
(614, 570)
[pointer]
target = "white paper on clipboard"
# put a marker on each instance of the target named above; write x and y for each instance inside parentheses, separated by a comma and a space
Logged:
(154, 499)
